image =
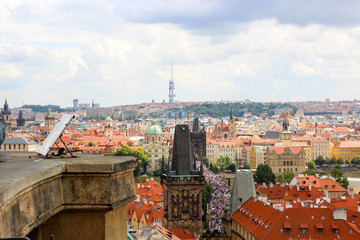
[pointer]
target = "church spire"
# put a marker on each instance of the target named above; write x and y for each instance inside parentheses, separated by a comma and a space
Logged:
(6, 107)
(231, 115)
(285, 123)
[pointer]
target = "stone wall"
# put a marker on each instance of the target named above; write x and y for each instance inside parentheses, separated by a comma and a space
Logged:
(71, 198)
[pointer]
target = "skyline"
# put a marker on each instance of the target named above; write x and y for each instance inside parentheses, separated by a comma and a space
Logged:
(118, 53)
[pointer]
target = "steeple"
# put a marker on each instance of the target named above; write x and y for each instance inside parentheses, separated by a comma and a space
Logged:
(6, 110)
(231, 115)
(49, 113)
(20, 121)
(285, 123)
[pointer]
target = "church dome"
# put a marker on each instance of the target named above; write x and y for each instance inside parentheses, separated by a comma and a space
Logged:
(108, 119)
(153, 129)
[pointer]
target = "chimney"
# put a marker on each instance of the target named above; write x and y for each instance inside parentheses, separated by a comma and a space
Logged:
(271, 184)
(298, 186)
(326, 192)
(263, 185)
(339, 214)
(351, 192)
(309, 186)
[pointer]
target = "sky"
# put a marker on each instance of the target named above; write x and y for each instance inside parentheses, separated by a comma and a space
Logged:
(118, 52)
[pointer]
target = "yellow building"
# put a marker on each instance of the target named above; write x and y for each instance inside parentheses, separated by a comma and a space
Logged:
(282, 159)
(156, 151)
(320, 147)
(347, 150)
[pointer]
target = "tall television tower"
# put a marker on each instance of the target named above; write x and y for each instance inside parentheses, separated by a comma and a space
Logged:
(171, 86)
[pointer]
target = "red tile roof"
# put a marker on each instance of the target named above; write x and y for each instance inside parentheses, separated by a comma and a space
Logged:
(280, 150)
(265, 223)
(275, 192)
(303, 194)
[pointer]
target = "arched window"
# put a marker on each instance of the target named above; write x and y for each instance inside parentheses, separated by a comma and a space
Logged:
(284, 163)
(291, 163)
(153, 139)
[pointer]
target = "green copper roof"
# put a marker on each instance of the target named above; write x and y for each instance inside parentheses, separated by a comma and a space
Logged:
(153, 129)
(108, 119)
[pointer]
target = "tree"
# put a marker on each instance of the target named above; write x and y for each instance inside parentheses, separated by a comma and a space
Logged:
(206, 161)
(142, 157)
(338, 175)
(162, 164)
(247, 166)
(125, 150)
(214, 167)
(311, 165)
(333, 160)
(340, 161)
(91, 144)
(327, 161)
(320, 160)
(309, 172)
(280, 178)
(232, 167)
(206, 196)
(355, 160)
(223, 162)
(139, 153)
(264, 174)
(285, 177)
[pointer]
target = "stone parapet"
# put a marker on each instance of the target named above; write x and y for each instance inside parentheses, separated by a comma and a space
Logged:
(45, 196)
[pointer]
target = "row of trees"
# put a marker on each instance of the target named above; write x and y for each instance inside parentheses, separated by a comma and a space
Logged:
(321, 161)
(264, 174)
(223, 163)
(223, 109)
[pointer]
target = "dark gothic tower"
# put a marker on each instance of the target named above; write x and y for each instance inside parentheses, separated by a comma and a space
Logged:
(20, 121)
(198, 139)
(232, 126)
(5, 117)
(183, 186)
(49, 121)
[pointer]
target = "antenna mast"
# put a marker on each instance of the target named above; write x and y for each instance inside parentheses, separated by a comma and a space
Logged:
(171, 85)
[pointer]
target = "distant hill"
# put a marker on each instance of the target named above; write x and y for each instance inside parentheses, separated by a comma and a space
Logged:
(42, 109)
(220, 110)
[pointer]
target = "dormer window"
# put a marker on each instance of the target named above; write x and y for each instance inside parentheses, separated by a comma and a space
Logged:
(319, 228)
(335, 228)
(287, 227)
(304, 228)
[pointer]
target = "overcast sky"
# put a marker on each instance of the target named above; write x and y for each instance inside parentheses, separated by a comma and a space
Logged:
(120, 52)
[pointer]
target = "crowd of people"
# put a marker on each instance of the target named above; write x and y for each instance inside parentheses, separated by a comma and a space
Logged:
(221, 194)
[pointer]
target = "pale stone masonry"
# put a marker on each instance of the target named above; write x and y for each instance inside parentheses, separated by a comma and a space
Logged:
(72, 198)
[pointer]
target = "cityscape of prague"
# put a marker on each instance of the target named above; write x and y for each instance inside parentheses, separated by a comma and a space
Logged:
(179, 120)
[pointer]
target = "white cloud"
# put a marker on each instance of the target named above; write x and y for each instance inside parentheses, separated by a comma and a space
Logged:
(101, 55)
(299, 69)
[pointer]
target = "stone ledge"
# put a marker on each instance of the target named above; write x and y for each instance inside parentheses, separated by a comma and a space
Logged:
(34, 189)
